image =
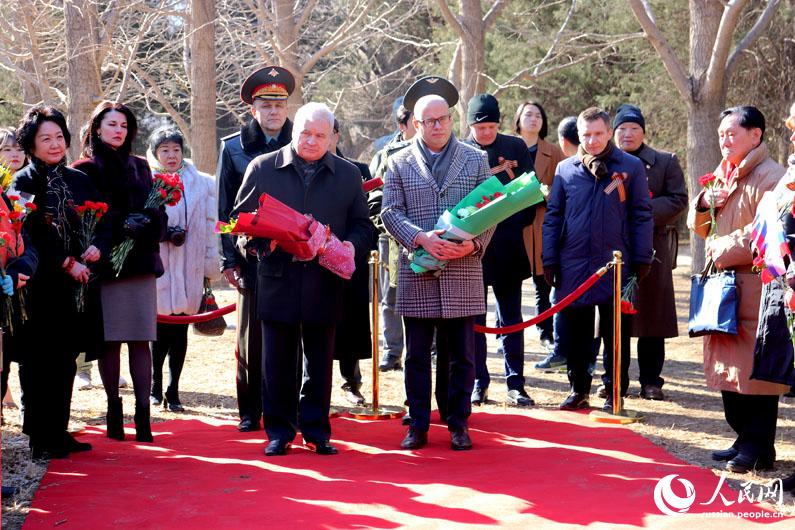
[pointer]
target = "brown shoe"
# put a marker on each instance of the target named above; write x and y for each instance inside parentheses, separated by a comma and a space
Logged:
(652, 392)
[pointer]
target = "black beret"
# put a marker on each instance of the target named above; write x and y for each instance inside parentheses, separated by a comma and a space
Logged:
(629, 113)
(430, 85)
(483, 108)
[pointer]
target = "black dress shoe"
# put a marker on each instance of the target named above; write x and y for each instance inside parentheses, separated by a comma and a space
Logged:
(519, 398)
(277, 448)
(73, 446)
(247, 425)
(406, 420)
(575, 401)
(48, 453)
(460, 440)
(414, 439)
(172, 405)
(323, 447)
(480, 395)
(724, 455)
(743, 463)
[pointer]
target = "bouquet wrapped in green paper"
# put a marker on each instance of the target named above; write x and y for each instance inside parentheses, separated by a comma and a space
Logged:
(484, 207)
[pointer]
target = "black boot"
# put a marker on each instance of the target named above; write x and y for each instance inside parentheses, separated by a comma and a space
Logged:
(115, 419)
(143, 431)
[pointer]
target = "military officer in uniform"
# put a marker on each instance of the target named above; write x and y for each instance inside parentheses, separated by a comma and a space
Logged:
(269, 129)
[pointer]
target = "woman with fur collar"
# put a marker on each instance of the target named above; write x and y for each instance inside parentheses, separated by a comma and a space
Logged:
(189, 255)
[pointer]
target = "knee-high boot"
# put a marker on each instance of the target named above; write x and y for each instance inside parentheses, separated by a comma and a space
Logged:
(143, 430)
(115, 419)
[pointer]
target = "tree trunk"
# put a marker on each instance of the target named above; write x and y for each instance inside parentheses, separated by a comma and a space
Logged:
(703, 156)
(82, 72)
(202, 82)
(286, 34)
(473, 56)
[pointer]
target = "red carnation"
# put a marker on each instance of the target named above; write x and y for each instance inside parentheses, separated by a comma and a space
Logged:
(627, 308)
(31, 206)
(14, 197)
(706, 180)
(8, 238)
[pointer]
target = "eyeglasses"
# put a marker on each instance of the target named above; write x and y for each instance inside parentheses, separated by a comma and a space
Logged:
(431, 122)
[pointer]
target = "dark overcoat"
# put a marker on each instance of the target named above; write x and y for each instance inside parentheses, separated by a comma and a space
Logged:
(656, 303)
(237, 151)
(53, 321)
(291, 291)
(505, 260)
(353, 339)
(583, 225)
(124, 183)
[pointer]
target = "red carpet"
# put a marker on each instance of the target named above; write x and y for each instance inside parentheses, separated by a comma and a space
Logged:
(540, 469)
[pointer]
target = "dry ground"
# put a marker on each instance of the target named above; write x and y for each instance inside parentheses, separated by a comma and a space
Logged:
(689, 424)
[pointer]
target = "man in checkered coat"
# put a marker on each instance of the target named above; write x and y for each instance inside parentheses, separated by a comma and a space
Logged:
(422, 181)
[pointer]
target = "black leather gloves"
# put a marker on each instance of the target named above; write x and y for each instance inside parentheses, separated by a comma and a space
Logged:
(552, 275)
(135, 225)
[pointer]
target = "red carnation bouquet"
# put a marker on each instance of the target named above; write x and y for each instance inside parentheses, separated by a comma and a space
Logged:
(167, 190)
(629, 296)
(295, 233)
(12, 246)
(90, 213)
(707, 181)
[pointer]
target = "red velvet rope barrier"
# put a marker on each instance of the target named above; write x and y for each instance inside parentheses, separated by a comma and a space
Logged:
(578, 292)
(193, 319)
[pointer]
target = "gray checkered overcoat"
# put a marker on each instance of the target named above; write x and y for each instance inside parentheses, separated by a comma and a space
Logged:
(412, 203)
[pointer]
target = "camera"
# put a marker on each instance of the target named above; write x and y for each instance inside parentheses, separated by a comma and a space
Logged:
(175, 235)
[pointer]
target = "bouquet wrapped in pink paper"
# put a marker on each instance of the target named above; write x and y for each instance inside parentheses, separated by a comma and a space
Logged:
(295, 233)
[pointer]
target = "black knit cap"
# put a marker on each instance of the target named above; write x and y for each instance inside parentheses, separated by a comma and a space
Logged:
(629, 113)
(483, 108)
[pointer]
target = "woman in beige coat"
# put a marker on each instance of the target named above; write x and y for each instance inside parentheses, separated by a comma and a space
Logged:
(743, 176)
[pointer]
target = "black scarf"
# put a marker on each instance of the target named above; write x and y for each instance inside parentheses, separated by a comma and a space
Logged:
(596, 164)
(440, 164)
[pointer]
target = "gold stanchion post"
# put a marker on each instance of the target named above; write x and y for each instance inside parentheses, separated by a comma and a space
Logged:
(618, 415)
(376, 412)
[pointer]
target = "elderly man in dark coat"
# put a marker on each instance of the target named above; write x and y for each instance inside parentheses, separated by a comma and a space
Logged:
(300, 302)
(505, 263)
(266, 90)
(599, 203)
(656, 318)
(434, 174)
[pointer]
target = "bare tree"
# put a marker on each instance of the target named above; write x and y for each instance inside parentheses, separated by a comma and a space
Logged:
(202, 81)
(702, 86)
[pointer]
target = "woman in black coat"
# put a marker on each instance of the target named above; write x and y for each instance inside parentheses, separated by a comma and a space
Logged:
(51, 338)
(129, 297)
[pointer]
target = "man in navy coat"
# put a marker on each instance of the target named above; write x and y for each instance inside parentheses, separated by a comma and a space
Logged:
(599, 203)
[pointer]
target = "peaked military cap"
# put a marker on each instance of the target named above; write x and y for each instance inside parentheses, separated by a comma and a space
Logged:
(270, 82)
(430, 85)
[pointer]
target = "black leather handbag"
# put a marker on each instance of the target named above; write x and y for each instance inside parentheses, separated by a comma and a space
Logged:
(217, 325)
